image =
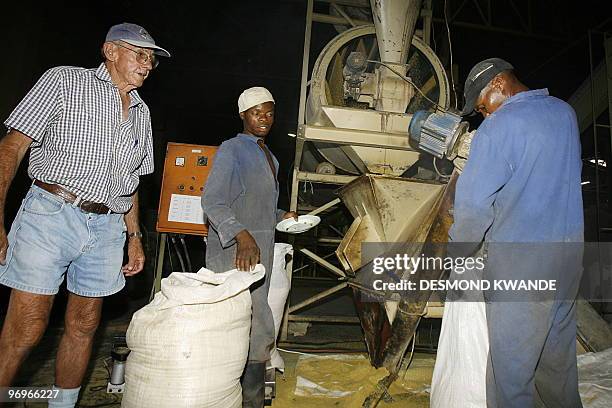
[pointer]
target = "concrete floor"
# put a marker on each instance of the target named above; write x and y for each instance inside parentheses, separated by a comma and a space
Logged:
(408, 392)
(38, 370)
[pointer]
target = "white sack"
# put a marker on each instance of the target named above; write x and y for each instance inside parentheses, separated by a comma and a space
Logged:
(459, 377)
(277, 297)
(189, 346)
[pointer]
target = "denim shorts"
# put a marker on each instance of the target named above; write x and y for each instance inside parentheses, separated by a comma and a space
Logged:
(50, 238)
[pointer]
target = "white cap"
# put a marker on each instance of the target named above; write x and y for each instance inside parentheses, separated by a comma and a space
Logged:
(253, 96)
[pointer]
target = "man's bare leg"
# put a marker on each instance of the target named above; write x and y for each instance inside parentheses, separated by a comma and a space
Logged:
(81, 321)
(24, 326)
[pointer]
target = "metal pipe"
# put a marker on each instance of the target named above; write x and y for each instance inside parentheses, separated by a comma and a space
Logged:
(329, 240)
(305, 60)
(159, 265)
(327, 19)
(308, 265)
(343, 14)
(323, 262)
(324, 178)
(317, 297)
(324, 319)
(325, 206)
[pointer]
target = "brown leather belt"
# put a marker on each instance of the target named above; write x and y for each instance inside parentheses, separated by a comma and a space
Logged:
(67, 196)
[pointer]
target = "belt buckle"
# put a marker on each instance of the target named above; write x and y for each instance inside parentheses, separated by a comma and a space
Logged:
(80, 205)
(92, 207)
(83, 205)
(77, 202)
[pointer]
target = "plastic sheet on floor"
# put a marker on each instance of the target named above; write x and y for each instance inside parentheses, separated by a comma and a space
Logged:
(595, 379)
(345, 380)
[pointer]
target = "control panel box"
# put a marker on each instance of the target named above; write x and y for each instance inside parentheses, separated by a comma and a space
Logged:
(186, 169)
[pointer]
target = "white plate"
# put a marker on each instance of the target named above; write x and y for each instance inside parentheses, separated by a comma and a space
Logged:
(303, 224)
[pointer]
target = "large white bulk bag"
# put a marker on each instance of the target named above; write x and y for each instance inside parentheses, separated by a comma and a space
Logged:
(277, 297)
(459, 377)
(189, 346)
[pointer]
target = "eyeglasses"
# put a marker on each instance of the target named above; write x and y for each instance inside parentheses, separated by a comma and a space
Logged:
(141, 56)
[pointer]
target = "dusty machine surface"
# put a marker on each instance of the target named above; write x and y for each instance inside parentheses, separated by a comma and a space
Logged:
(363, 89)
(368, 87)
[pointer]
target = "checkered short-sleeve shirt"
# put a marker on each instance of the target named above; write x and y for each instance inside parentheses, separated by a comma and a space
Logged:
(80, 141)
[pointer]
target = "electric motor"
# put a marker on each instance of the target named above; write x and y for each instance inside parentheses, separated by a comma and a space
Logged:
(435, 132)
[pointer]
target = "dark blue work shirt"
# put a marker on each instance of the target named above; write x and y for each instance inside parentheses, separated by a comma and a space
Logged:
(520, 193)
(522, 180)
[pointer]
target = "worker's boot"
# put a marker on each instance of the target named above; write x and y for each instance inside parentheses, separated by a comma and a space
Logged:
(253, 385)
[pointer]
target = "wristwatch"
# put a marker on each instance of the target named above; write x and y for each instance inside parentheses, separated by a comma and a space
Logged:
(136, 234)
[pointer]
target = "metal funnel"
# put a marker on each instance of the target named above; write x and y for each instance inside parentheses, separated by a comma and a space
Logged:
(394, 21)
(386, 209)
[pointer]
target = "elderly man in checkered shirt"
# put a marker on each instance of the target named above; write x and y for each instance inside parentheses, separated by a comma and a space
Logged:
(90, 139)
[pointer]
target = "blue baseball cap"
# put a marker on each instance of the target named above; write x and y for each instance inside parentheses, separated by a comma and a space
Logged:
(135, 35)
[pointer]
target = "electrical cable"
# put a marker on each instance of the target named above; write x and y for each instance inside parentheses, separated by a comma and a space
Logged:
(94, 390)
(187, 258)
(294, 352)
(178, 252)
(438, 107)
(108, 370)
(450, 50)
(406, 366)
(438, 171)
(169, 254)
(311, 188)
(152, 294)
(433, 32)
(290, 181)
